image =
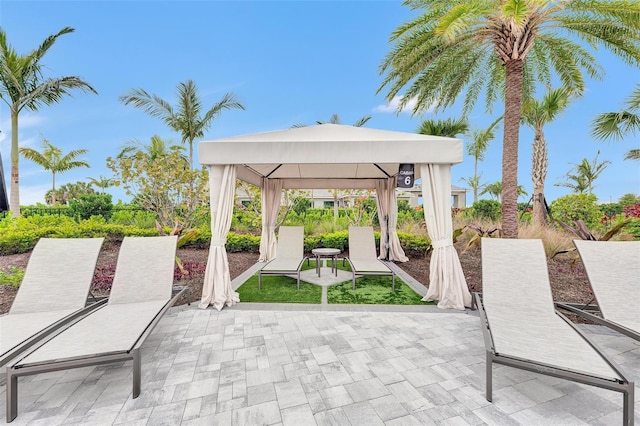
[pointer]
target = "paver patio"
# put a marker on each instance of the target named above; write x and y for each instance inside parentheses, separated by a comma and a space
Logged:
(329, 365)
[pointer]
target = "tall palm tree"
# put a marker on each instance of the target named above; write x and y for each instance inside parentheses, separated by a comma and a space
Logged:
(448, 127)
(536, 114)
(185, 118)
(615, 125)
(477, 149)
(51, 159)
(22, 85)
(504, 47)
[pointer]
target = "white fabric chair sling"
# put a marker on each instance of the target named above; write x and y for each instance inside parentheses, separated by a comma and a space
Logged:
(140, 295)
(289, 254)
(522, 329)
(363, 257)
(613, 268)
(53, 292)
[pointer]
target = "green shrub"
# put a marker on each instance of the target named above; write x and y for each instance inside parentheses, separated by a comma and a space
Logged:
(137, 218)
(486, 209)
(87, 205)
(414, 244)
(574, 207)
(12, 276)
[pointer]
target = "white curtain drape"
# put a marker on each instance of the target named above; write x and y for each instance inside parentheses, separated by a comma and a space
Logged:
(447, 284)
(271, 195)
(388, 206)
(217, 290)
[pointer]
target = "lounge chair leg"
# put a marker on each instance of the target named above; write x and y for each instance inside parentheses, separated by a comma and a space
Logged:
(627, 416)
(393, 282)
(259, 281)
(12, 396)
(298, 280)
(353, 282)
(489, 378)
(136, 373)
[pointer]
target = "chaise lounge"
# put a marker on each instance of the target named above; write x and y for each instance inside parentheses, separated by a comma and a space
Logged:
(522, 330)
(140, 296)
(289, 254)
(363, 257)
(53, 293)
(613, 268)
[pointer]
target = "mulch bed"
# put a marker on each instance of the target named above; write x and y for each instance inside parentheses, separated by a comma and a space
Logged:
(569, 281)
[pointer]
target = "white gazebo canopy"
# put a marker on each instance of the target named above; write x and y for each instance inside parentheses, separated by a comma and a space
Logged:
(334, 156)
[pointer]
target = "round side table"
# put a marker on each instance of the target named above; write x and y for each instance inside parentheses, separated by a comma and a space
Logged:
(327, 253)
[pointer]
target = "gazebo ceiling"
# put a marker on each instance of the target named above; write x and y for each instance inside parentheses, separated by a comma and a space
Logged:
(328, 155)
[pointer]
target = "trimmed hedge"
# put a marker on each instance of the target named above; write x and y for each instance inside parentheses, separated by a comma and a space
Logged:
(20, 235)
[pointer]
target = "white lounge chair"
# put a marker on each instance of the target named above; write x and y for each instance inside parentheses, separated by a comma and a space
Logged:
(289, 254)
(363, 257)
(522, 329)
(613, 268)
(140, 295)
(53, 292)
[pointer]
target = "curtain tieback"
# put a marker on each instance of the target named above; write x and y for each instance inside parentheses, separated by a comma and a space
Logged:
(445, 242)
(218, 241)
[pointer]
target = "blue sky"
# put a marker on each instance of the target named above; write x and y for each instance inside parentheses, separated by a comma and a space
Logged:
(288, 62)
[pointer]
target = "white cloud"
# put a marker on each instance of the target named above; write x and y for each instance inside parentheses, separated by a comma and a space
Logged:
(392, 106)
(32, 194)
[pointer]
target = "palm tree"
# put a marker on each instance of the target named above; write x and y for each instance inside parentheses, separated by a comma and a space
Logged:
(582, 176)
(477, 149)
(448, 127)
(51, 159)
(335, 119)
(157, 147)
(102, 182)
(504, 47)
(22, 85)
(186, 117)
(615, 125)
(495, 190)
(536, 114)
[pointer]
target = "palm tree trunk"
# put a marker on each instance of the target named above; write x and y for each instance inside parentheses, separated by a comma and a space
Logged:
(538, 175)
(14, 199)
(476, 181)
(53, 192)
(512, 111)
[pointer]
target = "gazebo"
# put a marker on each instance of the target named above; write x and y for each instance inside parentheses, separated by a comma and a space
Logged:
(332, 156)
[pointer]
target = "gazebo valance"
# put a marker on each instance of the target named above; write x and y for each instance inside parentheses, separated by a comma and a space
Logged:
(331, 156)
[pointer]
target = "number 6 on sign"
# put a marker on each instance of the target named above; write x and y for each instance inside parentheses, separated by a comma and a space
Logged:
(405, 176)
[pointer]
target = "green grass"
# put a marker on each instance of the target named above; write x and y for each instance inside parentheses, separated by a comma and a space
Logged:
(12, 276)
(369, 290)
(279, 289)
(375, 290)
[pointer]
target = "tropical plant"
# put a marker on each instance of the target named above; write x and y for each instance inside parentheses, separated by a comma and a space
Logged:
(503, 47)
(68, 191)
(102, 182)
(615, 125)
(164, 184)
(495, 191)
(537, 113)
(186, 117)
(572, 207)
(582, 175)
(51, 159)
(448, 127)
(86, 205)
(477, 149)
(335, 119)
(22, 85)
(156, 148)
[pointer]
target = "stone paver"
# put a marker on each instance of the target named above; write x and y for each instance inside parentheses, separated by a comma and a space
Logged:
(334, 365)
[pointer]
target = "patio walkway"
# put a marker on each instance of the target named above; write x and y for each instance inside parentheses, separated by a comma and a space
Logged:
(284, 364)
